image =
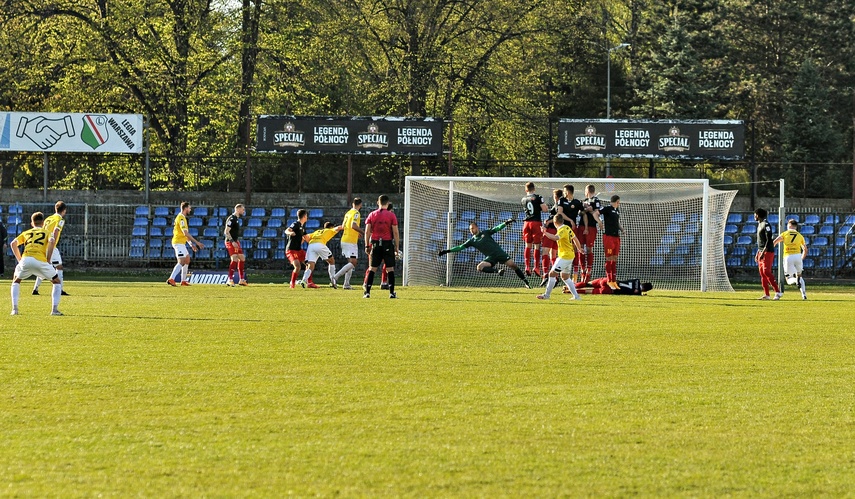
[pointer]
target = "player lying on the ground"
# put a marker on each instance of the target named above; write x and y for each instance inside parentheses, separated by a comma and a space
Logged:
(601, 287)
(482, 240)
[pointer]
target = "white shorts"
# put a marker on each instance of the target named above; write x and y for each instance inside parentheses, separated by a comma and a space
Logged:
(180, 250)
(29, 266)
(562, 266)
(793, 264)
(56, 258)
(317, 250)
(349, 250)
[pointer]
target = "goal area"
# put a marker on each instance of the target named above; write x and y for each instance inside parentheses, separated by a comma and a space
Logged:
(674, 229)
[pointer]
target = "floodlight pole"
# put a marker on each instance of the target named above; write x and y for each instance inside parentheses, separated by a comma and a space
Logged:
(609, 91)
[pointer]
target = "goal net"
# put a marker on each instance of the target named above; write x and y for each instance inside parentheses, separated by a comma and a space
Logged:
(674, 229)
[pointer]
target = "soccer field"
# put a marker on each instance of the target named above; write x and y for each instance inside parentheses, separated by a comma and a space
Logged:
(145, 389)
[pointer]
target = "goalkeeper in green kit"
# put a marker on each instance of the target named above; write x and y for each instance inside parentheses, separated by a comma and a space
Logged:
(493, 253)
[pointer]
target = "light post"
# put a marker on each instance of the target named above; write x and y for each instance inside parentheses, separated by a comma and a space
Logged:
(609, 91)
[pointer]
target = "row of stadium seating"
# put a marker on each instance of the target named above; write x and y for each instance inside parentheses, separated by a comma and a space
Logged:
(263, 236)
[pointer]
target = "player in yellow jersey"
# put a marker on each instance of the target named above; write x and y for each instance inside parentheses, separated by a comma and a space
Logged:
(349, 242)
(38, 243)
(795, 251)
(180, 237)
(318, 249)
(55, 221)
(568, 246)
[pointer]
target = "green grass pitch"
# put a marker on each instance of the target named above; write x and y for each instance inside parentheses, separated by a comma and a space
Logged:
(144, 389)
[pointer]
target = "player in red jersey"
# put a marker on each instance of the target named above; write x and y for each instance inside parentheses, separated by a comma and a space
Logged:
(232, 233)
(382, 242)
(592, 207)
(533, 206)
(296, 233)
(601, 287)
(611, 238)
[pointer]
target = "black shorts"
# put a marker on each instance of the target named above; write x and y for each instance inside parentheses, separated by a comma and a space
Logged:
(383, 252)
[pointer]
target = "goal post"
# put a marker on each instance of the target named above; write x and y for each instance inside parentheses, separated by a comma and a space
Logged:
(674, 238)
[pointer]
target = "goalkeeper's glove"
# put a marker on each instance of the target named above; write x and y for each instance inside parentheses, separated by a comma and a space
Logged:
(443, 252)
(509, 221)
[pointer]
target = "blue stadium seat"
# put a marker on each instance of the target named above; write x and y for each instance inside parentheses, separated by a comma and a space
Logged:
(850, 220)
(811, 219)
(663, 249)
(221, 253)
(139, 231)
(14, 220)
(692, 228)
(246, 244)
(278, 212)
(201, 211)
(820, 241)
(141, 221)
(279, 254)
(258, 212)
(155, 243)
(136, 253)
(462, 225)
(825, 264)
(204, 253)
(681, 249)
(772, 219)
(734, 261)
(313, 224)
(141, 211)
(294, 212)
(826, 230)
(677, 260)
(749, 229)
(728, 240)
(657, 261)
(744, 240)
(194, 231)
(207, 243)
(842, 231)
(274, 222)
(672, 228)
(840, 241)
(316, 213)
(669, 239)
(678, 217)
(814, 252)
(159, 222)
(807, 230)
(210, 232)
(809, 263)
(16, 209)
(194, 222)
(505, 215)
(260, 254)
(734, 218)
(253, 222)
(154, 253)
(215, 222)
(137, 243)
(689, 239)
(250, 233)
(264, 244)
(155, 231)
(270, 233)
(793, 217)
(730, 229)
(739, 251)
(161, 211)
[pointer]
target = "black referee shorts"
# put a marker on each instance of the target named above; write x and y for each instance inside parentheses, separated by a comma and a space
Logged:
(383, 252)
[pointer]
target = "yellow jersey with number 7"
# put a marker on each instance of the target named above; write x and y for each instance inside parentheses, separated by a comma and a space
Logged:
(793, 242)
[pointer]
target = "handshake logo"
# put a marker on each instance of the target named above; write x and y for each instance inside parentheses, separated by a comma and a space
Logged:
(43, 132)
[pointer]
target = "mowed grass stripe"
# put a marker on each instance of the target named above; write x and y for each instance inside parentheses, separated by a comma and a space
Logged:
(144, 389)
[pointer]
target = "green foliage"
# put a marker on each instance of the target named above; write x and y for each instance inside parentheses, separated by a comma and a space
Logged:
(144, 389)
(499, 69)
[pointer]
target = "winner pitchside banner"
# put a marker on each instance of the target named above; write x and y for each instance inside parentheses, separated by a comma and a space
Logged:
(355, 135)
(71, 132)
(684, 139)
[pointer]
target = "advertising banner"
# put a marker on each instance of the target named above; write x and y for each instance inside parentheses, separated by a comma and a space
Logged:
(349, 135)
(679, 139)
(71, 132)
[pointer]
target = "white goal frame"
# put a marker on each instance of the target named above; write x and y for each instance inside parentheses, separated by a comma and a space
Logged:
(710, 220)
